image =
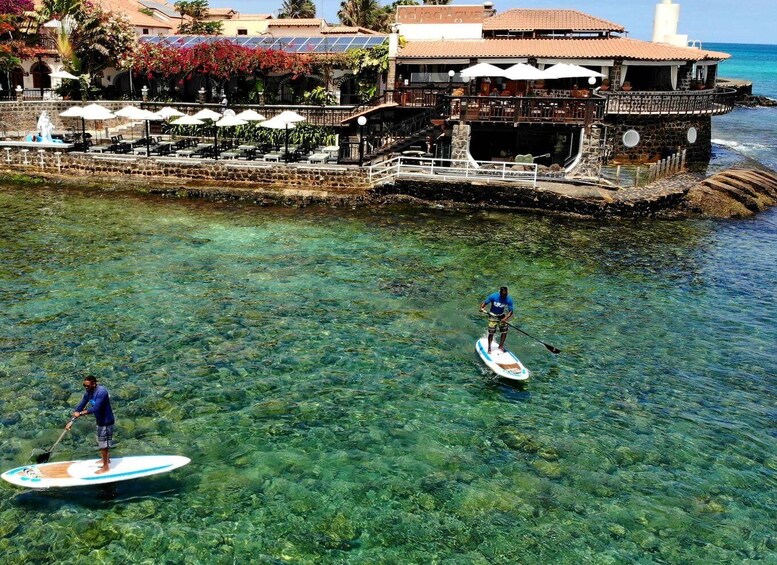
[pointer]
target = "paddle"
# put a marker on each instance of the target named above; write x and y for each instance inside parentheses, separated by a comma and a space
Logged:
(553, 350)
(46, 455)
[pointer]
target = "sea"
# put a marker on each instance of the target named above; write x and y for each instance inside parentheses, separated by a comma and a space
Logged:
(318, 367)
(751, 132)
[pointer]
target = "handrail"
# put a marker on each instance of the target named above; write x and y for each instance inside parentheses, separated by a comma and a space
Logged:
(452, 169)
(684, 102)
(526, 109)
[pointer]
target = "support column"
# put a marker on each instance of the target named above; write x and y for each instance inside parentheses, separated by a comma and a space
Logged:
(460, 142)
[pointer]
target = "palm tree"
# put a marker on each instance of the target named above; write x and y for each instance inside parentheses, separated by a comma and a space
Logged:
(359, 13)
(296, 9)
(437, 2)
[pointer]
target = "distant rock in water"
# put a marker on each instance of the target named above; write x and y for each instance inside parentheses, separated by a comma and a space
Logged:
(753, 101)
(733, 193)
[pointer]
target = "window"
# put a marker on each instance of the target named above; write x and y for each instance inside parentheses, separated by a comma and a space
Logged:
(145, 31)
(242, 32)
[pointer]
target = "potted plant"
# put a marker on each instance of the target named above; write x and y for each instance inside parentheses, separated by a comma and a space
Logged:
(605, 84)
(626, 86)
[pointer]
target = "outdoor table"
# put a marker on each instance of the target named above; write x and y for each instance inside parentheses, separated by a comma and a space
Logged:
(274, 157)
(184, 152)
(318, 158)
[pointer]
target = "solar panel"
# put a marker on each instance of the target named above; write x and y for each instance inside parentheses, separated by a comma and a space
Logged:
(289, 44)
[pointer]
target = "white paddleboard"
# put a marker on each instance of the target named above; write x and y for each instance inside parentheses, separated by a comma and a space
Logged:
(82, 473)
(503, 363)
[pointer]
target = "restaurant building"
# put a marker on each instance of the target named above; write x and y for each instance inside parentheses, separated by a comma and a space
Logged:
(633, 101)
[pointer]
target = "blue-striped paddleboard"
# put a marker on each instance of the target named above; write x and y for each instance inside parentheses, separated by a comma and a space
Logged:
(504, 363)
(82, 473)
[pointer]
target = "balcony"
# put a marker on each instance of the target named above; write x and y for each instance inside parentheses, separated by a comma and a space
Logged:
(682, 103)
(556, 110)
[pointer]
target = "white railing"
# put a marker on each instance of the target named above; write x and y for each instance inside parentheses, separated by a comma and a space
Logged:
(452, 169)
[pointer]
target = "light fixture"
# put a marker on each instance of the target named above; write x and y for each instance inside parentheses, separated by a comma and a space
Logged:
(362, 121)
(451, 74)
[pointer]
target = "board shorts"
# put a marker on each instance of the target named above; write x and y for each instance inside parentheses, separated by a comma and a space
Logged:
(105, 436)
(497, 321)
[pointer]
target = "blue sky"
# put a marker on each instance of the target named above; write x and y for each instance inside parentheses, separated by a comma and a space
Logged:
(727, 21)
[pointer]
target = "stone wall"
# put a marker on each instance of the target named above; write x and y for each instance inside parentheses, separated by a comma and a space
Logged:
(510, 196)
(684, 76)
(660, 138)
(116, 170)
(593, 154)
(460, 142)
(17, 118)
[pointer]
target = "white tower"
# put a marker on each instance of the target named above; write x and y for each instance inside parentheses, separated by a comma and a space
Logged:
(665, 24)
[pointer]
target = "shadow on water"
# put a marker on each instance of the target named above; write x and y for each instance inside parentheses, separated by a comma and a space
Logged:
(98, 497)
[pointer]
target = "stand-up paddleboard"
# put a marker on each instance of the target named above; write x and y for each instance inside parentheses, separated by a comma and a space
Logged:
(503, 363)
(82, 473)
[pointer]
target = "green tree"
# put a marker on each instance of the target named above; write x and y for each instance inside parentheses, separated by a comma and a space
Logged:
(360, 13)
(197, 10)
(295, 9)
(436, 2)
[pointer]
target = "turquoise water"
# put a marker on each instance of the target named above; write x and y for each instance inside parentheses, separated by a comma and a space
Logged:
(748, 131)
(318, 367)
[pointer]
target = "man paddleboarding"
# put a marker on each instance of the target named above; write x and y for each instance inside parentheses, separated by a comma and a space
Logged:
(97, 401)
(500, 312)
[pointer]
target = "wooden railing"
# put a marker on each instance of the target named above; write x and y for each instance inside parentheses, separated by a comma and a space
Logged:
(687, 102)
(581, 111)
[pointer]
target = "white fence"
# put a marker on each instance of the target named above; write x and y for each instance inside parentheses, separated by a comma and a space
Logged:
(405, 166)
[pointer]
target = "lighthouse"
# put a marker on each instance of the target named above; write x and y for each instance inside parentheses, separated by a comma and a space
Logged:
(665, 22)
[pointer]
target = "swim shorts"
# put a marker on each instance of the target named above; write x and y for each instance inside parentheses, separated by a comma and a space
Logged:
(105, 436)
(494, 321)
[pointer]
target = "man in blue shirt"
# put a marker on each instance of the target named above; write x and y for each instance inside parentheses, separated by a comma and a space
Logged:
(501, 310)
(96, 401)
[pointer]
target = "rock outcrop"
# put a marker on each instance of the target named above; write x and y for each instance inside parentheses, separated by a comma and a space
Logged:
(733, 193)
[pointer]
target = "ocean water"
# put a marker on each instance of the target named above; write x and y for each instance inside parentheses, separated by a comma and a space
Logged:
(318, 367)
(751, 132)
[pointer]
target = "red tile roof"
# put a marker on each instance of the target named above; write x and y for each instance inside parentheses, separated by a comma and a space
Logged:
(562, 20)
(598, 48)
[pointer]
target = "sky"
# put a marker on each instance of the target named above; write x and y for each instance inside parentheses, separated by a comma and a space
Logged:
(718, 21)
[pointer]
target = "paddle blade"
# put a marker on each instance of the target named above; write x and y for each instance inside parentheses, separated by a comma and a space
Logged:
(43, 457)
(553, 350)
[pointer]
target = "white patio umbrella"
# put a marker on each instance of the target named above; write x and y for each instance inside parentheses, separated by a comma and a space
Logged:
(207, 114)
(135, 113)
(285, 120)
(251, 116)
(228, 120)
(63, 75)
(75, 112)
(566, 70)
(522, 71)
(187, 120)
(482, 70)
(91, 112)
(169, 112)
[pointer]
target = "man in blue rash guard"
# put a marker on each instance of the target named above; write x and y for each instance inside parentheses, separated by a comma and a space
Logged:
(96, 401)
(501, 310)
